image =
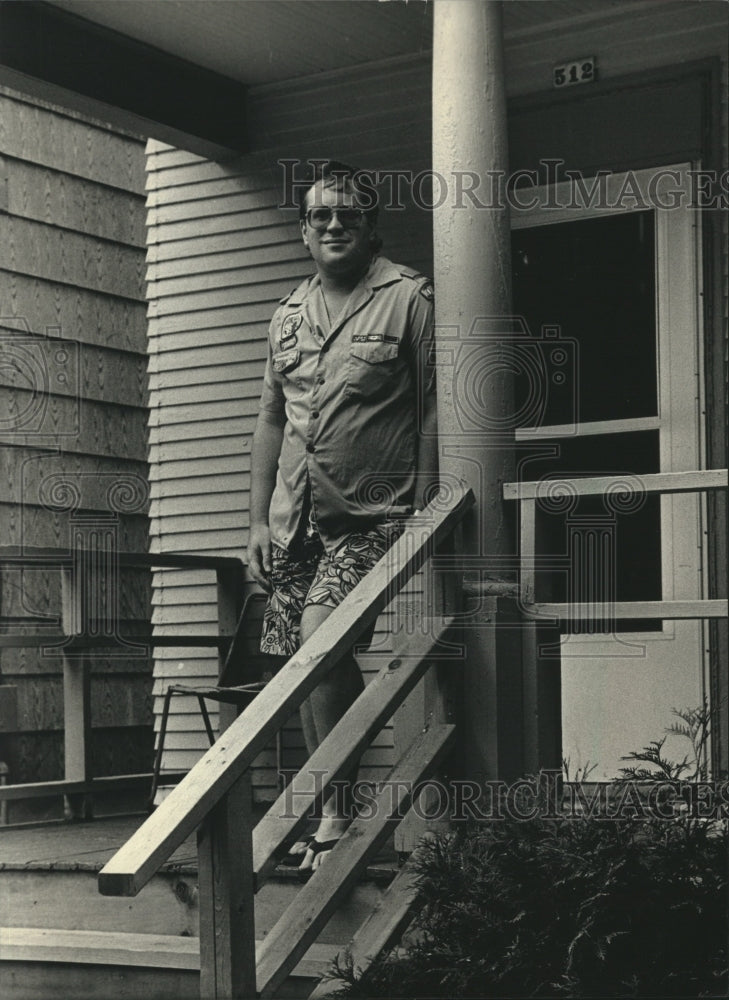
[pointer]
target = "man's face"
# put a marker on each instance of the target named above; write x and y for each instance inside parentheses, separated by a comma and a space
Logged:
(338, 251)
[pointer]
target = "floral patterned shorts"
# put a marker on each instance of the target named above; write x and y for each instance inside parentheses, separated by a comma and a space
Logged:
(311, 575)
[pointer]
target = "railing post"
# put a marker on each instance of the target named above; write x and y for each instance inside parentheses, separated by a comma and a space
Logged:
(227, 925)
(541, 660)
(76, 699)
(436, 699)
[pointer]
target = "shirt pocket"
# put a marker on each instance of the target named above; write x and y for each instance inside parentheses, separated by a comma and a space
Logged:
(371, 368)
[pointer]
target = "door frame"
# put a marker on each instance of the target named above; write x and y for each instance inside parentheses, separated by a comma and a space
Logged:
(680, 373)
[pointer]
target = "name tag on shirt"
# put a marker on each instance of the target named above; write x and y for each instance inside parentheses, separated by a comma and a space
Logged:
(373, 338)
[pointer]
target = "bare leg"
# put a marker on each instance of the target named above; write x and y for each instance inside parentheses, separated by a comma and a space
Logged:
(311, 742)
(326, 705)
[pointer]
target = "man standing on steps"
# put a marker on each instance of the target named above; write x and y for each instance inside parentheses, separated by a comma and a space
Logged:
(346, 417)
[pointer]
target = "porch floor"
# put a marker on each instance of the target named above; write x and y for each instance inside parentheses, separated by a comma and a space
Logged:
(87, 846)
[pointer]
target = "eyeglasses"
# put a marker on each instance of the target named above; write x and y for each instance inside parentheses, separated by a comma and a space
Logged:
(349, 218)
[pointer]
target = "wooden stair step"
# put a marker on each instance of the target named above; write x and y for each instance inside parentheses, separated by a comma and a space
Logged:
(319, 897)
(382, 928)
(342, 748)
(162, 951)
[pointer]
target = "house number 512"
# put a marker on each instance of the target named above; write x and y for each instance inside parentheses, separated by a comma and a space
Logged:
(579, 71)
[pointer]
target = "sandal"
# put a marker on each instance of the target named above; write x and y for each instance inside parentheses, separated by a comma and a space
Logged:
(290, 860)
(317, 847)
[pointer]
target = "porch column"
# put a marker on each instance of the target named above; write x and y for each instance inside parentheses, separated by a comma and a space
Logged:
(472, 271)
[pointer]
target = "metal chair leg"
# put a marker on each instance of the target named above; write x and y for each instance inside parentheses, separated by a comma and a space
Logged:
(160, 746)
(206, 719)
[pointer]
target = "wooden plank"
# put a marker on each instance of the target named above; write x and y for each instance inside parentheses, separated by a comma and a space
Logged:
(210, 203)
(342, 747)
(204, 412)
(216, 281)
(382, 928)
(75, 203)
(76, 698)
(92, 317)
(38, 556)
(231, 479)
(659, 482)
(216, 261)
(161, 436)
(50, 644)
(125, 948)
(230, 222)
(318, 898)
(104, 375)
(225, 347)
(227, 924)
(254, 312)
(262, 237)
(230, 501)
(187, 306)
(665, 610)
(527, 550)
(74, 259)
(186, 807)
(66, 143)
(110, 783)
(588, 429)
(42, 944)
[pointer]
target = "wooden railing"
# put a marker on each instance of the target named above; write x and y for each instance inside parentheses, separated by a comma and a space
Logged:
(214, 798)
(541, 680)
(529, 495)
(78, 637)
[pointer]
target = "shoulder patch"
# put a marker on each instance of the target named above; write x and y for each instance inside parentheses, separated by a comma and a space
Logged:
(427, 291)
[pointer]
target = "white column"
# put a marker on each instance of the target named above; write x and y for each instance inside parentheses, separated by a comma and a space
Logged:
(472, 261)
(472, 269)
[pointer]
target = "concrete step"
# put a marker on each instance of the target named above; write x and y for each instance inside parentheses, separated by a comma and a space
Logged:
(94, 965)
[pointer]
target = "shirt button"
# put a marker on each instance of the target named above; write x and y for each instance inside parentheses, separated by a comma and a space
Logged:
(310, 447)
(315, 414)
(320, 380)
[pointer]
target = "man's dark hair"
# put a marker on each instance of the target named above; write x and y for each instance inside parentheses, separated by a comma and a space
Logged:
(334, 173)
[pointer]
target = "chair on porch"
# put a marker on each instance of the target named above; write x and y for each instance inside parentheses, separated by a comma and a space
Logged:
(245, 673)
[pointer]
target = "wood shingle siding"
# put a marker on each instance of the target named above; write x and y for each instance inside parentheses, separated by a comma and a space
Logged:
(72, 298)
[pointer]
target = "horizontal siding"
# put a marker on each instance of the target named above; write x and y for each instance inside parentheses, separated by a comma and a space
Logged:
(72, 203)
(47, 137)
(73, 390)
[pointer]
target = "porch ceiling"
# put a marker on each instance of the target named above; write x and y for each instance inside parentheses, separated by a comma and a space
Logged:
(263, 41)
(179, 70)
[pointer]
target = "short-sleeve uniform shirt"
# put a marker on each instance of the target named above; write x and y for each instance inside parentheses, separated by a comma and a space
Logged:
(352, 395)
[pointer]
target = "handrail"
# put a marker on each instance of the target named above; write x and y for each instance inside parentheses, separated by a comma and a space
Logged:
(654, 482)
(219, 769)
(79, 636)
(50, 556)
(529, 494)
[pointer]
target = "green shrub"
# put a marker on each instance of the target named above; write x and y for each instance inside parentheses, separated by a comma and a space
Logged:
(565, 908)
